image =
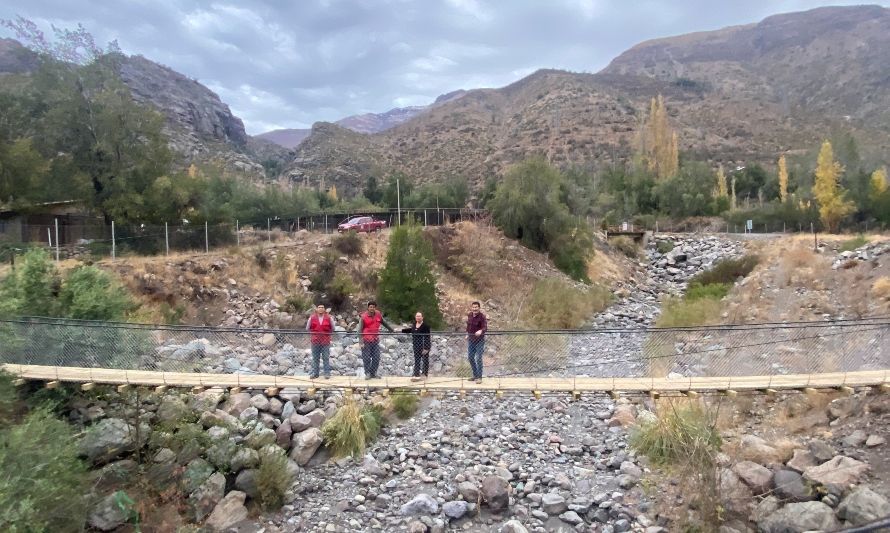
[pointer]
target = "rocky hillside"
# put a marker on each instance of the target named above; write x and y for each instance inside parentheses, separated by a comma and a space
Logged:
(737, 95)
(364, 123)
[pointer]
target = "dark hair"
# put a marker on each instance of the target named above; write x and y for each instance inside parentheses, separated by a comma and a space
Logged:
(372, 302)
(476, 303)
(320, 304)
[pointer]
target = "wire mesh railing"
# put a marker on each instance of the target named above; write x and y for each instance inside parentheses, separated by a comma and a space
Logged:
(763, 349)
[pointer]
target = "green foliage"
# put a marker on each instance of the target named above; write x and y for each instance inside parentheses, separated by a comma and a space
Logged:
(726, 271)
(555, 304)
(530, 205)
(8, 399)
(626, 246)
(349, 243)
(852, 244)
(298, 302)
(454, 192)
(407, 283)
(34, 289)
(404, 403)
(272, 479)
(352, 428)
(372, 191)
(339, 290)
(678, 312)
(684, 434)
(44, 483)
(664, 247)
(714, 291)
(688, 193)
(397, 188)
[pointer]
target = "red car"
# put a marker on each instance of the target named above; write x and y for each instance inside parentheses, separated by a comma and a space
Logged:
(361, 224)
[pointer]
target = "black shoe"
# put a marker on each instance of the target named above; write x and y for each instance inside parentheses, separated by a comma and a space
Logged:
(313, 377)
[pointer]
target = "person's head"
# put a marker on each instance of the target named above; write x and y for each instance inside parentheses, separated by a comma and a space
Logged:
(418, 317)
(475, 307)
(372, 307)
(320, 309)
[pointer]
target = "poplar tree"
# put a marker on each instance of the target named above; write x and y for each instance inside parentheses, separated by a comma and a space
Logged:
(783, 179)
(828, 194)
(407, 283)
(878, 182)
(659, 145)
(721, 190)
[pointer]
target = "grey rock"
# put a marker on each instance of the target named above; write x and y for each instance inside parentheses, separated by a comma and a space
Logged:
(862, 506)
(800, 517)
(304, 445)
(258, 438)
(228, 512)
(172, 408)
(245, 481)
(195, 474)
(455, 509)
(821, 451)
(513, 526)
(283, 434)
(245, 458)
(107, 515)
(205, 498)
(236, 403)
(758, 478)
(107, 440)
(288, 410)
(841, 471)
(248, 415)
(790, 486)
(422, 504)
(208, 400)
(316, 418)
(218, 418)
(553, 504)
(801, 460)
(756, 450)
(495, 492)
(874, 440)
(260, 402)
(468, 491)
(571, 517)
(299, 422)
(855, 439)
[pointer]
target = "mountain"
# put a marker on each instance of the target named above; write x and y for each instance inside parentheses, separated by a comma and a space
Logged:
(365, 123)
(737, 95)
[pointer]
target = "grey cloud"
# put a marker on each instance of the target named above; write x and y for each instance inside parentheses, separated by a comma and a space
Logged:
(289, 64)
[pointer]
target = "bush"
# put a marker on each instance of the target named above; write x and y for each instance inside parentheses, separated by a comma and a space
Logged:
(404, 403)
(272, 479)
(714, 291)
(726, 271)
(555, 304)
(339, 290)
(852, 244)
(626, 246)
(678, 313)
(352, 428)
(407, 283)
(324, 271)
(298, 302)
(682, 432)
(881, 288)
(349, 243)
(91, 294)
(44, 483)
(8, 398)
(664, 247)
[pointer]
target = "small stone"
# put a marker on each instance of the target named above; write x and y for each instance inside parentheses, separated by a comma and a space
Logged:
(758, 478)
(855, 439)
(874, 440)
(455, 509)
(553, 504)
(801, 460)
(513, 526)
(571, 517)
(495, 492)
(108, 515)
(422, 504)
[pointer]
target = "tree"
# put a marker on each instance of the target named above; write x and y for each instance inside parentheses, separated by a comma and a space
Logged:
(658, 141)
(721, 189)
(407, 283)
(733, 199)
(372, 191)
(878, 182)
(783, 179)
(397, 189)
(833, 206)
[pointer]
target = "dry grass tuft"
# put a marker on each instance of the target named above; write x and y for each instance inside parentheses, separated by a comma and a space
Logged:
(880, 289)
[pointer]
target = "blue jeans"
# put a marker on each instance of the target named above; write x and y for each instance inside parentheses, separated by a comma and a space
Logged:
(475, 347)
(371, 357)
(323, 351)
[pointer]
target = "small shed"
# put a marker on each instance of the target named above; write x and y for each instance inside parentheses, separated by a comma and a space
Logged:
(35, 223)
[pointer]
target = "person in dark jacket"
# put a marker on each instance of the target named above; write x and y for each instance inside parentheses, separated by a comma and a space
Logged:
(477, 325)
(369, 338)
(422, 343)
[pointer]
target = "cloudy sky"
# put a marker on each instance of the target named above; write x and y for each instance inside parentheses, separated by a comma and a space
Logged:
(287, 64)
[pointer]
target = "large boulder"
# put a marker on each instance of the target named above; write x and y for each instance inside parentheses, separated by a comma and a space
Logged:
(244, 458)
(800, 517)
(790, 487)
(420, 505)
(107, 440)
(260, 437)
(283, 434)
(237, 403)
(246, 482)
(260, 402)
(171, 409)
(495, 492)
(228, 512)
(801, 460)
(108, 514)
(208, 400)
(735, 495)
(218, 418)
(758, 478)
(195, 474)
(205, 498)
(862, 506)
(553, 504)
(841, 471)
(304, 445)
(755, 449)
(299, 422)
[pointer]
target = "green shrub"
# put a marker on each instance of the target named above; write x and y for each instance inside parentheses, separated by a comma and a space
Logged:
(683, 432)
(349, 243)
(339, 290)
(625, 245)
(407, 283)
(726, 271)
(44, 483)
(677, 312)
(91, 294)
(325, 270)
(8, 398)
(404, 403)
(555, 304)
(714, 291)
(272, 479)
(298, 302)
(664, 247)
(352, 428)
(852, 244)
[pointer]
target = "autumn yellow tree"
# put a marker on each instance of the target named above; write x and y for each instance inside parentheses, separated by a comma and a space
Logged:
(659, 145)
(332, 193)
(833, 206)
(783, 179)
(878, 182)
(721, 190)
(732, 199)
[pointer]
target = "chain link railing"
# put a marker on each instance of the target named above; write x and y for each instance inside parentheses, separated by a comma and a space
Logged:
(763, 349)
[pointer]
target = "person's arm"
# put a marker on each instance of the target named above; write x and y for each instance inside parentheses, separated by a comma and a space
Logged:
(406, 330)
(484, 324)
(384, 324)
(427, 339)
(308, 322)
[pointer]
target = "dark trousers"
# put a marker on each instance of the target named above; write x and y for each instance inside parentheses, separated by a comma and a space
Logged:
(371, 357)
(475, 349)
(421, 363)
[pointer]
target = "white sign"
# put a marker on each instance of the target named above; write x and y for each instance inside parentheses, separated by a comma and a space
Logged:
(750, 225)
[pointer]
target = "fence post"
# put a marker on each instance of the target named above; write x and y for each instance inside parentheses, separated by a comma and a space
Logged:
(113, 243)
(206, 239)
(424, 217)
(57, 240)
(269, 230)
(325, 222)
(166, 239)
(237, 234)
(49, 238)
(783, 227)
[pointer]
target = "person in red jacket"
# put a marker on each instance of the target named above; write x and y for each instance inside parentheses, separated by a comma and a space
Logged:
(477, 325)
(369, 338)
(321, 327)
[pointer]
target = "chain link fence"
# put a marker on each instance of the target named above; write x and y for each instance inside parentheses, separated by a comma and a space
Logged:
(766, 349)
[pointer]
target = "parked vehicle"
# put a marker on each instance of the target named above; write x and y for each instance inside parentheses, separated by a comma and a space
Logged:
(361, 224)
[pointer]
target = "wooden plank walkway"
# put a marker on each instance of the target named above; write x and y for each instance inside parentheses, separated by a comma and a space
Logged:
(864, 378)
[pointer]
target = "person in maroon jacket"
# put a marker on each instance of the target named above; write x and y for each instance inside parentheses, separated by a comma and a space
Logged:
(321, 327)
(477, 325)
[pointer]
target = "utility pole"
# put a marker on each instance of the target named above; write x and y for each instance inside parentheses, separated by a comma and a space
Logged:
(399, 201)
